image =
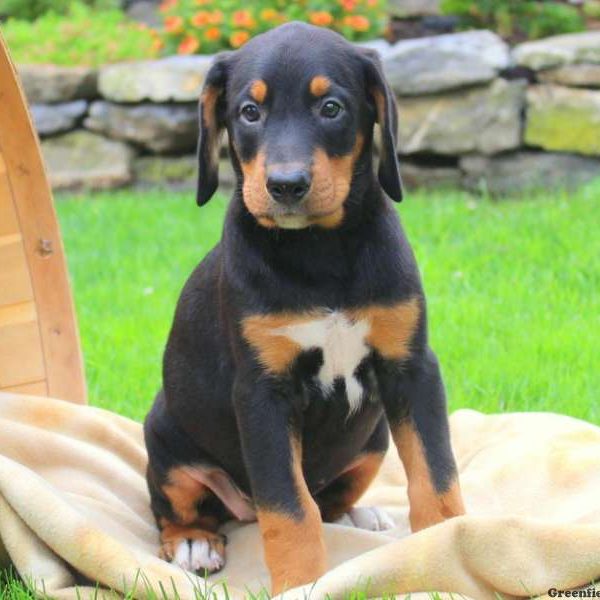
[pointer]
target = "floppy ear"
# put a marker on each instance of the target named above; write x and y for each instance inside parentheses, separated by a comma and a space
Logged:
(212, 121)
(387, 117)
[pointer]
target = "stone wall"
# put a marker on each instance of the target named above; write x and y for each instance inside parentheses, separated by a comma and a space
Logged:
(473, 113)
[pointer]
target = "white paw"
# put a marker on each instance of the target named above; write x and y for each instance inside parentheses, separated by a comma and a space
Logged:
(198, 556)
(370, 518)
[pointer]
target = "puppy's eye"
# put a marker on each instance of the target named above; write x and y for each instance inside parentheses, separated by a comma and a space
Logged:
(331, 109)
(250, 112)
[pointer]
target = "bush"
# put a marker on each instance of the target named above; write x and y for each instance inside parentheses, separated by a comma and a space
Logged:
(33, 9)
(206, 26)
(82, 37)
(533, 19)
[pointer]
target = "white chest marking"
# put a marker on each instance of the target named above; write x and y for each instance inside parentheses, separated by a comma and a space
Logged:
(343, 344)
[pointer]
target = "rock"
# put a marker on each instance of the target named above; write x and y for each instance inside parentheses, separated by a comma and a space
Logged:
(158, 128)
(172, 79)
(177, 172)
(513, 174)
(563, 119)
(50, 119)
(424, 176)
(572, 75)
(486, 120)
(48, 84)
(413, 8)
(146, 13)
(84, 160)
(380, 45)
(444, 62)
(559, 50)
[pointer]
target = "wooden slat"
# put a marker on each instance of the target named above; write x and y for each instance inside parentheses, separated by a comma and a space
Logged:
(42, 243)
(12, 314)
(15, 285)
(35, 388)
(8, 216)
(21, 358)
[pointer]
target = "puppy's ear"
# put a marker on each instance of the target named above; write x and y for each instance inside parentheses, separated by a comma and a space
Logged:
(212, 121)
(387, 117)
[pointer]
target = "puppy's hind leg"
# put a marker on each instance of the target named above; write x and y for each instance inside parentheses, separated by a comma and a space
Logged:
(187, 514)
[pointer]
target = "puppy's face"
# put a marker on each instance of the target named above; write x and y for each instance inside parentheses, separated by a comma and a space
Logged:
(299, 104)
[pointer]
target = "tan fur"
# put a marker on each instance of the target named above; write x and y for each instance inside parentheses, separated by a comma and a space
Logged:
(184, 492)
(427, 506)
(319, 85)
(209, 103)
(331, 179)
(276, 353)
(254, 189)
(294, 548)
(391, 327)
(329, 221)
(258, 90)
(209, 118)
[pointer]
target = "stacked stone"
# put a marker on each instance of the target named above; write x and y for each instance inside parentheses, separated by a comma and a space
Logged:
(465, 118)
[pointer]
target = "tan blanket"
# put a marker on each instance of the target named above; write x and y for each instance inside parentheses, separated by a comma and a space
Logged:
(74, 510)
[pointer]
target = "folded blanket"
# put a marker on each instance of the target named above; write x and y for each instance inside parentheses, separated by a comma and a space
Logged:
(74, 513)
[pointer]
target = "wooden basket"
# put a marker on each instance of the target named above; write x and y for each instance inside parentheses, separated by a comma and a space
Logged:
(39, 341)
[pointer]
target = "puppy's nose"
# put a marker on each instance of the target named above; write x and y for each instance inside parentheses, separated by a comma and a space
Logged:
(288, 187)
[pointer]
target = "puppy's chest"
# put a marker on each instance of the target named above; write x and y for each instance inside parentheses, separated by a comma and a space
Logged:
(337, 341)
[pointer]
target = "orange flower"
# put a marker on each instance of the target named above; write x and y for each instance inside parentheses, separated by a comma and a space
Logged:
(357, 22)
(157, 44)
(202, 2)
(201, 18)
(212, 34)
(215, 17)
(189, 45)
(238, 38)
(348, 5)
(269, 14)
(372, 3)
(243, 18)
(321, 18)
(173, 24)
(167, 5)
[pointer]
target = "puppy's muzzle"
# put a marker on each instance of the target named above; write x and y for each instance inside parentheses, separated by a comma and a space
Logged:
(288, 188)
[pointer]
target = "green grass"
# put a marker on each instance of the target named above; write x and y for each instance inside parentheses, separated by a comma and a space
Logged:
(512, 290)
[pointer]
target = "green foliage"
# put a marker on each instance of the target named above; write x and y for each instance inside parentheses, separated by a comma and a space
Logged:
(534, 19)
(33, 9)
(592, 9)
(83, 37)
(201, 26)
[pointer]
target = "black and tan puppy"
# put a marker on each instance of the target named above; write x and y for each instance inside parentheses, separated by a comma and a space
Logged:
(302, 337)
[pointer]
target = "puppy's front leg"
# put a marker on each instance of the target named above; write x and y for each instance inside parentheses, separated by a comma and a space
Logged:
(415, 405)
(288, 517)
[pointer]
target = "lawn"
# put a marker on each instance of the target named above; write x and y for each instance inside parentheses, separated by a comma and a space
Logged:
(512, 290)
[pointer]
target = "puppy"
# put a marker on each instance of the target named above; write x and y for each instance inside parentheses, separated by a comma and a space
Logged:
(300, 341)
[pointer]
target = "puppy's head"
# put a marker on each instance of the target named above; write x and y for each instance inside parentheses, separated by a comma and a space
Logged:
(299, 104)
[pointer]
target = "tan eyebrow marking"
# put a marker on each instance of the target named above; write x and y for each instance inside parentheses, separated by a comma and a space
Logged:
(319, 85)
(258, 90)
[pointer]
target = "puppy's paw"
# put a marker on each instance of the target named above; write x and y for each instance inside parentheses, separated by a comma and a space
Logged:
(195, 550)
(371, 518)
(198, 556)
